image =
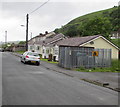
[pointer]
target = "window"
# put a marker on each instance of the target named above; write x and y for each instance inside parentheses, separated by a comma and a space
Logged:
(43, 51)
(47, 51)
(32, 54)
(31, 47)
(25, 54)
(56, 51)
(38, 47)
(91, 42)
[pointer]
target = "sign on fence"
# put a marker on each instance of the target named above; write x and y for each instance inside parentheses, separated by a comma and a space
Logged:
(74, 57)
(94, 53)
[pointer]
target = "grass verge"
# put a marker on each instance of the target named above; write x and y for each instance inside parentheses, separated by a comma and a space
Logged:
(46, 60)
(20, 52)
(115, 67)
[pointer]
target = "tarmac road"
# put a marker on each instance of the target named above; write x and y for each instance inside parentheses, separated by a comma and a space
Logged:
(0, 79)
(36, 85)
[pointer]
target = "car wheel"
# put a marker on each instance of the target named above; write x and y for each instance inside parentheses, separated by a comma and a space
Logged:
(24, 61)
(37, 63)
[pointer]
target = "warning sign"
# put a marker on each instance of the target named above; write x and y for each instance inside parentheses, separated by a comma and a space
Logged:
(94, 53)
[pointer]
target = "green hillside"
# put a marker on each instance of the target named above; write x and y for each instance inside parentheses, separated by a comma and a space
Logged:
(101, 22)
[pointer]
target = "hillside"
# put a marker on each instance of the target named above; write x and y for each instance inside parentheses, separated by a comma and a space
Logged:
(101, 22)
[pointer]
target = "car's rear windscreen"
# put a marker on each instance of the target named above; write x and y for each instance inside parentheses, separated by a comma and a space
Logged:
(33, 54)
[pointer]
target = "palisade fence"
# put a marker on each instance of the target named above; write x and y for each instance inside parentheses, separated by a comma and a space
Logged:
(75, 57)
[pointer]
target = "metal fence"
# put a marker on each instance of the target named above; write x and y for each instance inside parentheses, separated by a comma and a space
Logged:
(75, 57)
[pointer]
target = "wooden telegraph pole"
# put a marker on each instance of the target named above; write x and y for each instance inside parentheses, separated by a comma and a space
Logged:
(27, 17)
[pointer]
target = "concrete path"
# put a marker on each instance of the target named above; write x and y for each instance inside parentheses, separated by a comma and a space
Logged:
(102, 77)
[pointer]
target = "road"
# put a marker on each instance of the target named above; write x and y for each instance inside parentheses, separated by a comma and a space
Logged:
(0, 79)
(36, 85)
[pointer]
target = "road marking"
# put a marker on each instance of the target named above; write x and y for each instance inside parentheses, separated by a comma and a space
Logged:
(37, 72)
(100, 98)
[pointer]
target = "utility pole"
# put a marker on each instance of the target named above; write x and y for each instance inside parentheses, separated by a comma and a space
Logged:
(31, 35)
(5, 37)
(27, 17)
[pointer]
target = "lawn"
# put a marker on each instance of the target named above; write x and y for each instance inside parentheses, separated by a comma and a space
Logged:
(46, 60)
(116, 42)
(20, 52)
(115, 67)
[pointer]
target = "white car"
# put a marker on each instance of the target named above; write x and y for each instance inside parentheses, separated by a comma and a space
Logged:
(1, 50)
(30, 57)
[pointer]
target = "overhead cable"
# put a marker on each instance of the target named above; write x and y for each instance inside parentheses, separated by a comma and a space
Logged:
(39, 7)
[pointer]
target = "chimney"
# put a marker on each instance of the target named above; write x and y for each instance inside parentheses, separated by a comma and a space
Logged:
(46, 32)
(40, 34)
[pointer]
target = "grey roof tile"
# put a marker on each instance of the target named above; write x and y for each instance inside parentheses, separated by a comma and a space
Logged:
(76, 41)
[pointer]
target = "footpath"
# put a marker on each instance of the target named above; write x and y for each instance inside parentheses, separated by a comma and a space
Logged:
(105, 79)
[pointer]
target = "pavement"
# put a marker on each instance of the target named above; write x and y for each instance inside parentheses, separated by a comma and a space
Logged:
(104, 79)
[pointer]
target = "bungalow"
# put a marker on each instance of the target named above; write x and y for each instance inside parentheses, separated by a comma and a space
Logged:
(95, 42)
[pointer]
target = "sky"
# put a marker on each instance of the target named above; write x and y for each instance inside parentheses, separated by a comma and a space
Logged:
(52, 15)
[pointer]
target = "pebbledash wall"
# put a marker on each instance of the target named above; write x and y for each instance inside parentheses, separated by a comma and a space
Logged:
(102, 44)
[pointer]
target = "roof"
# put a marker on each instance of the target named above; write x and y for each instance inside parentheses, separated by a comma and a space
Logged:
(48, 41)
(81, 41)
(39, 42)
(30, 42)
(56, 37)
(43, 35)
(76, 41)
(54, 43)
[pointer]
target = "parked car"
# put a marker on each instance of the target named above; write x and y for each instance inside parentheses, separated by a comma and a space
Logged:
(1, 50)
(30, 57)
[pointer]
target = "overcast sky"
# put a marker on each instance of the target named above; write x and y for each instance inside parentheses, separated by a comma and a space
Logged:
(54, 14)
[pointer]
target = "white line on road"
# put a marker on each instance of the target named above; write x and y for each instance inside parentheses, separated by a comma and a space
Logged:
(37, 72)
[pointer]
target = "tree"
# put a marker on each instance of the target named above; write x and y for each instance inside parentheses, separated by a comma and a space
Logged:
(72, 31)
(22, 42)
(56, 30)
(97, 26)
(115, 18)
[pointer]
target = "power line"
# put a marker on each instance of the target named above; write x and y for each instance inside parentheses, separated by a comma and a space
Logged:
(27, 20)
(39, 7)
